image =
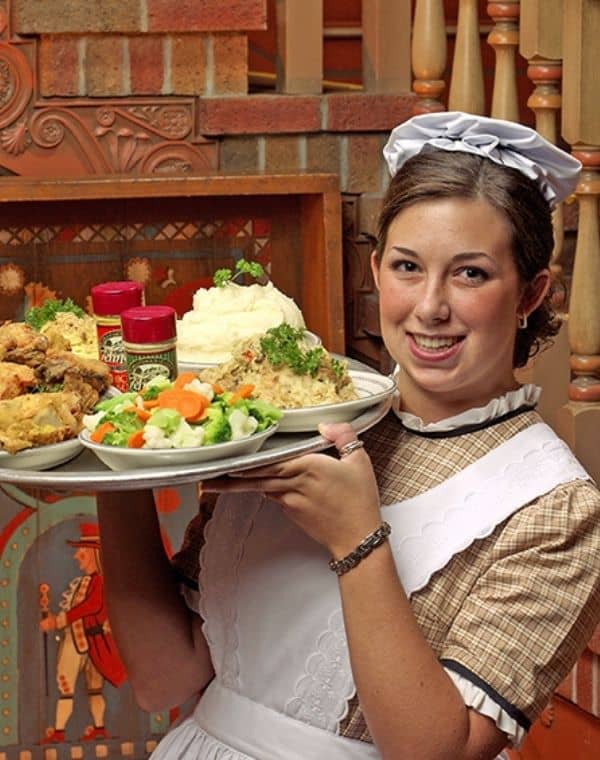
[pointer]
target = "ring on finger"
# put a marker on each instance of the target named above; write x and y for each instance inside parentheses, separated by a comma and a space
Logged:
(349, 447)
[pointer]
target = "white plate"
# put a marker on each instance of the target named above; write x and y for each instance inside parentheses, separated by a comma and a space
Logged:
(42, 457)
(51, 455)
(372, 388)
(190, 366)
(121, 458)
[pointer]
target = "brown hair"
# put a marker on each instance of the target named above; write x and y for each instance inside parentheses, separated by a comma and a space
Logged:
(436, 173)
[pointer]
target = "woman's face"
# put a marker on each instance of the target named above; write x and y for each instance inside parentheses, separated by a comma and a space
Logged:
(450, 297)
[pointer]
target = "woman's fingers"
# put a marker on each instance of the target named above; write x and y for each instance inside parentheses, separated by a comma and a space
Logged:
(343, 437)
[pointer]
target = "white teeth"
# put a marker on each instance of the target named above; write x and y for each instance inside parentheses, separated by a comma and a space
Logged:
(434, 343)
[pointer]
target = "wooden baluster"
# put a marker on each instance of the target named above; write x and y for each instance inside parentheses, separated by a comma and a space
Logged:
(300, 46)
(584, 311)
(504, 38)
(466, 83)
(541, 45)
(429, 51)
(580, 419)
(386, 46)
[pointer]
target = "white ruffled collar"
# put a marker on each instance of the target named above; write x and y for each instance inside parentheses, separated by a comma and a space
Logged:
(525, 396)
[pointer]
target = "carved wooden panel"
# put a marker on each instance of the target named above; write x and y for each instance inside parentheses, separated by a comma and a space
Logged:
(74, 137)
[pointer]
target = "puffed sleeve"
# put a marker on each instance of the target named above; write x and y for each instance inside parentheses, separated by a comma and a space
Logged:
(531, 614)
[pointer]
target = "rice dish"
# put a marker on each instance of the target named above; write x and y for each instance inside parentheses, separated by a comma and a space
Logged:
(279, 384)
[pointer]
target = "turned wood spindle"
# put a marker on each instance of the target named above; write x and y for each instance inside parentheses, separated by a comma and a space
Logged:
(584, 314)
(504, 38)
(428, 54)
(466, 84)
(545, 102)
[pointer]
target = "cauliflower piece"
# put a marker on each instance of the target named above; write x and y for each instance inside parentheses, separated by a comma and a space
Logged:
(91, 421)
(204, 389)
(155, 438)
(185, 435)
(242, 425)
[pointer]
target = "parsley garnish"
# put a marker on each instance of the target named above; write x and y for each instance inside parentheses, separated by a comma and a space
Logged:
(37, 316)
(280, 345)
(222, 276)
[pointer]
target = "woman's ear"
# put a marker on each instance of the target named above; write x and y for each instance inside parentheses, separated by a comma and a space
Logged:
(375, 268)
(535, 292)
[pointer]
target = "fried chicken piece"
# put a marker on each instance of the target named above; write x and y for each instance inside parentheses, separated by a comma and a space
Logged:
(21, 344)
(38, 419)
(88, 395)
(15, 379)
(61, 365)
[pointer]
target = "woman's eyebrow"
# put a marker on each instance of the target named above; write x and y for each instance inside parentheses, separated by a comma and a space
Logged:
(463, 256)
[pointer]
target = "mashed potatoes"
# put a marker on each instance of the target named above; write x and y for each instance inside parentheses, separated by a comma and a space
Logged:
(279, 384)
(221, 317)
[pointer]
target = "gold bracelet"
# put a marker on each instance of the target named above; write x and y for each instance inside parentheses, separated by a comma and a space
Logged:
(366, 546)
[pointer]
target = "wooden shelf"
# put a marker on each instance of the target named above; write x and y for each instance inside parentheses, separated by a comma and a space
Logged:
(304, 210)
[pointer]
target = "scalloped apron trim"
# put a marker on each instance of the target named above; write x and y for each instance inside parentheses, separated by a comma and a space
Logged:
(429, 529)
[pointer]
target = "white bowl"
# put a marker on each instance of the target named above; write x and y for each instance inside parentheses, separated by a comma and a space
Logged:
(372, 388)
(121, 458)
(192, 366)
(41, 457)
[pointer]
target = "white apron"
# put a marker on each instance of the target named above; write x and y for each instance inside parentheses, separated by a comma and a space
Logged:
(273, 616)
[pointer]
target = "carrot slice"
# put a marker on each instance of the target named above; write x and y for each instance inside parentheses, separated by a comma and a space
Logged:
(183, 379)
(98, 435)
(244, 391)
(217, 390)
(151, 403)
(189, 404)
(136, 440)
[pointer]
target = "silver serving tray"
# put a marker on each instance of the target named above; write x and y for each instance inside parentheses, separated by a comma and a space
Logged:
(86, 471)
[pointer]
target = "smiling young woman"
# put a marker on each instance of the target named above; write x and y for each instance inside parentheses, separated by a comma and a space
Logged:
(463, 534)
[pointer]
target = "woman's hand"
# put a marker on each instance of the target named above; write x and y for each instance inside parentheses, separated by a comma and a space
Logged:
(335, 501)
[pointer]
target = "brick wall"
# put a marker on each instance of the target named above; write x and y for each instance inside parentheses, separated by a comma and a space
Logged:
(89, 50)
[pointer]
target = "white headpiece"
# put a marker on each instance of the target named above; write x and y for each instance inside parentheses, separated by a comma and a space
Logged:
(503, 142)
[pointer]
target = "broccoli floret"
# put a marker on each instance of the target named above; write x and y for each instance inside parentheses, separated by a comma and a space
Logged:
(116, 403)
(166, 419)
(265, 413)
(216, 426)
(154, 387)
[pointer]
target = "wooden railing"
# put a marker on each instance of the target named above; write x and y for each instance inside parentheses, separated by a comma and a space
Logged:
(558, 39)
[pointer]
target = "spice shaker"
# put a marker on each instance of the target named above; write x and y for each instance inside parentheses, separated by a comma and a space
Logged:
(109, 299)
(149, 338)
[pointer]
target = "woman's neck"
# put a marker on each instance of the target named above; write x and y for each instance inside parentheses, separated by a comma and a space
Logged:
(432, 406)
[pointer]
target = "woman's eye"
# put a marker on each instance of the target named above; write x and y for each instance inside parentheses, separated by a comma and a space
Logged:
(473, 274)
(404, 265)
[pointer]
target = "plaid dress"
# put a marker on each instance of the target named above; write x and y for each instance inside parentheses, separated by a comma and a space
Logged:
(510, 613)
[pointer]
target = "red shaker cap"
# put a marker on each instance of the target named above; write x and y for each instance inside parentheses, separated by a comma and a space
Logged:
(148, 324)
(111, 298)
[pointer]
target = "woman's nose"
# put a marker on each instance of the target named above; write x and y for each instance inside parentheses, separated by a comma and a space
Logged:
(433, 306)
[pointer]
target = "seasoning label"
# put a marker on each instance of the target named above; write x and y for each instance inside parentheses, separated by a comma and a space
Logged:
(112, 353)
(141, 368)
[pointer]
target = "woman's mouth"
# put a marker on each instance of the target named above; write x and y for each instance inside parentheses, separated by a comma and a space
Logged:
(436, 347)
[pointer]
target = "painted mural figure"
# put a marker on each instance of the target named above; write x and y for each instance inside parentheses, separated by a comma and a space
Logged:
(86, 645)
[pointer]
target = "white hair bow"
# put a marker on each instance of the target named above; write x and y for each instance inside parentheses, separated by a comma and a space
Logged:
(503, 142)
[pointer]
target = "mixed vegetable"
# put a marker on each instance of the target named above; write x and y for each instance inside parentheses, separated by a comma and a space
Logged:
(174, 415)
